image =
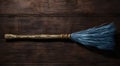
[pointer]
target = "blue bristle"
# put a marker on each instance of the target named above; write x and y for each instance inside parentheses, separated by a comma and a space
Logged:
(100, 37)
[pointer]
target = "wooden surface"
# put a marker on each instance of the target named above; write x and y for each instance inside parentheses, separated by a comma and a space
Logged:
(52, 17)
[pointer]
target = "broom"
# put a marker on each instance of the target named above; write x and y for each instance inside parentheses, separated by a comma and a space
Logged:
(101, 37)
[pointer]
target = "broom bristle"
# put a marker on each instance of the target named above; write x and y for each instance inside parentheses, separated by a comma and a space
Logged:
(100, 37)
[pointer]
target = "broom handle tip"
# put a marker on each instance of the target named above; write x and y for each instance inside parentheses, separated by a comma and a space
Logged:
(9, 36)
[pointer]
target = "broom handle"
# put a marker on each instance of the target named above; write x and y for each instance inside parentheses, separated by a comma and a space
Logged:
(39, 36)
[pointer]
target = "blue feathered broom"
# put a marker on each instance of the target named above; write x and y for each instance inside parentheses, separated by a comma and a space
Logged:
(101, 37)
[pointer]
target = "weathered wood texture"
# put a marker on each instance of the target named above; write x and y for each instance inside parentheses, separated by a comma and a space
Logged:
(55, 16)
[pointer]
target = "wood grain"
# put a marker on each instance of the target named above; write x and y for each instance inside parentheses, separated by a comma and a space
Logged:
(56, 16)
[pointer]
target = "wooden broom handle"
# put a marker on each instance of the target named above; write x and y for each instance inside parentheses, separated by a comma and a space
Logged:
(39, 36)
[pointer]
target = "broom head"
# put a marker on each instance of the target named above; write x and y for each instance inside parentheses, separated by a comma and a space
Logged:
(101, 37)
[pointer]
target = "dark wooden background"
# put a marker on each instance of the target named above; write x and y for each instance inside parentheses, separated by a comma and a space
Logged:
(56, 16)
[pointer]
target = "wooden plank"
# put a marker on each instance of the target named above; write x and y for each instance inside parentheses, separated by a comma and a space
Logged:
(105, 7)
